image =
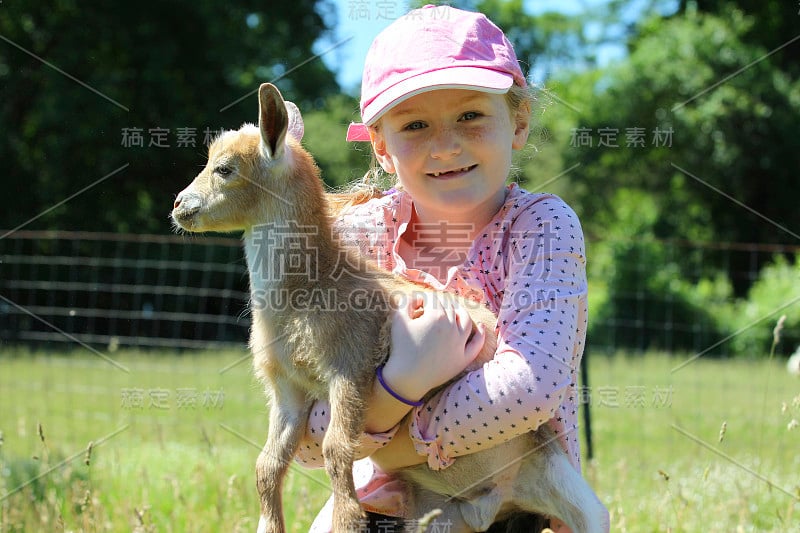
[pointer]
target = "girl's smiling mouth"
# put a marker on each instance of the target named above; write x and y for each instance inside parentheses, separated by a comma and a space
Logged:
(451, 173)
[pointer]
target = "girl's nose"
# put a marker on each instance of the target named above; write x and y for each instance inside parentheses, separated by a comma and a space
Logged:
(444, 144)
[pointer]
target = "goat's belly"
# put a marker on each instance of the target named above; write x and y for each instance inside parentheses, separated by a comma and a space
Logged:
(472, 475)
(308, 379)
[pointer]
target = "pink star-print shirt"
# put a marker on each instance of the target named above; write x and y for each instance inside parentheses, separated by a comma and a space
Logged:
(528, 266)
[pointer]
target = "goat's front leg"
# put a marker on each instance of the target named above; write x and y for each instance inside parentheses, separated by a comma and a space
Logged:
(348, 409)
(287, 419)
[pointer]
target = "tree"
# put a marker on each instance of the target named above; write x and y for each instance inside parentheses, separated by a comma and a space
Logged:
(773, 26)
(82, 83)
(714, 154)
(340, 162)
(687, 138)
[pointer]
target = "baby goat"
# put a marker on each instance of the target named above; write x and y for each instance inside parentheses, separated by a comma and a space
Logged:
(261, 181)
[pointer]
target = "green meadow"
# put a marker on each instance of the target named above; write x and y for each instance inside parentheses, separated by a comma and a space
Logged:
(166, 442)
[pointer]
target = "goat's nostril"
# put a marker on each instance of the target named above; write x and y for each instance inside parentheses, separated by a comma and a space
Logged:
(177, 203)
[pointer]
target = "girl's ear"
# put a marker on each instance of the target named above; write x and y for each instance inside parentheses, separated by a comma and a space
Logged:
(379, 148)
(522, 126)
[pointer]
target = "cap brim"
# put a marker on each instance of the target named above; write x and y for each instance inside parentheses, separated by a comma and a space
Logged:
(472, 78)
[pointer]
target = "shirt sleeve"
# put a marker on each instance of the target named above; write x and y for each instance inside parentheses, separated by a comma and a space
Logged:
(537, 265)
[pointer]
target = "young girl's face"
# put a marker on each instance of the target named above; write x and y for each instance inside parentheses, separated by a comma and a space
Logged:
(451, 150)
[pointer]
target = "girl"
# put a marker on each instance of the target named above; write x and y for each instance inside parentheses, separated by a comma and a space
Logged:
(444, 103)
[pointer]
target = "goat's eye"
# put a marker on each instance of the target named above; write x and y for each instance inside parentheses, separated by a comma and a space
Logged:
(223, 170)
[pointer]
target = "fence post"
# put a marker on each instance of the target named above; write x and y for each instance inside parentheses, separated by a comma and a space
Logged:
(585, 406)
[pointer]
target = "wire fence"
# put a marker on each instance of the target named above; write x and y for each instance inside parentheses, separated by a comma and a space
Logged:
(691, 296)
(107, 289)
(191, 292)
(62, 290)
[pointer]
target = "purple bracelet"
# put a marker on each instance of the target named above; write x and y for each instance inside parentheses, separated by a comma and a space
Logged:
(379, 373)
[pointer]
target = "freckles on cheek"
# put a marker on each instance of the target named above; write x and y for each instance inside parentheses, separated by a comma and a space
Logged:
(476, 134)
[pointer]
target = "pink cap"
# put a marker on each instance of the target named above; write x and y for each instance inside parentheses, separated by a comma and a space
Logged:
(435, 47)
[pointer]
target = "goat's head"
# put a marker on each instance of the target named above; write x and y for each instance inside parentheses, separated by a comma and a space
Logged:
(244, 181)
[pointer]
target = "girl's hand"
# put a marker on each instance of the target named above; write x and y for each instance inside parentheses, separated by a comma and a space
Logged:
(432, 342)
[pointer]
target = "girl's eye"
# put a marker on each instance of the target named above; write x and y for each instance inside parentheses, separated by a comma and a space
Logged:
(416, 125)
(470, 115)
(223, 171)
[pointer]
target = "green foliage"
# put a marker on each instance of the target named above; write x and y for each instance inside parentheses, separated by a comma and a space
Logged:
(644, 301)
(725, 135)
(776, 292)
(721, 170)
(340, 161)
(76, 76)
(774, 25)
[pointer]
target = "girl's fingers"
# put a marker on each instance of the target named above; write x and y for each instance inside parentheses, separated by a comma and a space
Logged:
(474, 344)
(446, 305)
(465, 323)
(456, 313)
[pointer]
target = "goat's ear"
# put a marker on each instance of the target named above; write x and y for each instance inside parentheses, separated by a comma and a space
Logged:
(296, 128)
(272, 119)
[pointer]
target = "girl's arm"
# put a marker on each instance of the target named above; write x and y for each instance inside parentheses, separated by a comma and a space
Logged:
(536, 267)
(436, 326)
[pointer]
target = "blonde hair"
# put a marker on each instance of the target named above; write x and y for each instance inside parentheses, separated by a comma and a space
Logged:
(376, 181)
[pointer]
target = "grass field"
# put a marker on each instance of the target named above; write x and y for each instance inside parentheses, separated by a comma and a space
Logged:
(706, 447)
